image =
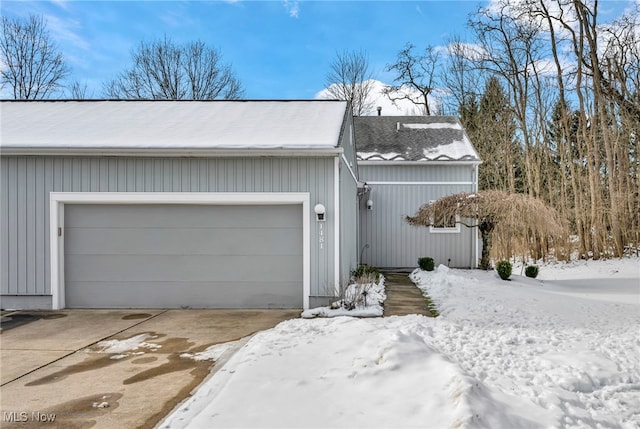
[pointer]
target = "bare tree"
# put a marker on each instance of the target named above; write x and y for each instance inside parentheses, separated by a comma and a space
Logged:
(163, 70)
(519, 217)
(459, 75)
(415, 76)
(78, 90)
(33, 67)
(350, 79)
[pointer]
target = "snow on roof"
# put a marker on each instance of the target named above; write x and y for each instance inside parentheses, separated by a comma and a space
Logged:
(433, 126)
(172, 124)
(412, 138)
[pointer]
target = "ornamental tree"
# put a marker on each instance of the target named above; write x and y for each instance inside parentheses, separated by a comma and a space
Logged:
(518, 216)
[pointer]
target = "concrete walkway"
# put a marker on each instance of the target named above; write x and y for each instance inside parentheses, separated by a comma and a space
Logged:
(403, 297)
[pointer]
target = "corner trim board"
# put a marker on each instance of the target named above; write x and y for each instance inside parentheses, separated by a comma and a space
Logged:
(336, 224)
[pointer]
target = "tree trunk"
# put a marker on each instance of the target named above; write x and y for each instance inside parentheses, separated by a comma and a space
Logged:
(486, 232)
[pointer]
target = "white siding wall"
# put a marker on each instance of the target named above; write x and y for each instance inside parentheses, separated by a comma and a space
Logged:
(26, 181)
(394, 243)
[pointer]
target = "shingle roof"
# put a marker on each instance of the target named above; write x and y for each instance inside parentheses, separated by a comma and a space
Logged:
(284, 124)
(412, 138)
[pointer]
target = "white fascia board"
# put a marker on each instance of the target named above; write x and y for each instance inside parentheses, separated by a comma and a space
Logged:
(164, 152)
(423, 163)
(57, 200)
(346, 163)
(239, 198)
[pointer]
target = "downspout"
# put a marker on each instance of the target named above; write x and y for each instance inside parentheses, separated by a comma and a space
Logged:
(336, 223)
(474, 262)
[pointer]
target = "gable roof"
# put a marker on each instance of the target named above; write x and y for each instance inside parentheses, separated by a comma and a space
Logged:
(412, 138)
(182, 125)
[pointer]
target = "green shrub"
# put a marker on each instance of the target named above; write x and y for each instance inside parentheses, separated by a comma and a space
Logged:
(532, 271)
(504, 269)
(365, 272)
(426, 264)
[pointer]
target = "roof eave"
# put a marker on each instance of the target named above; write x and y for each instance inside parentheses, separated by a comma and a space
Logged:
(423, 162)
(170, 152)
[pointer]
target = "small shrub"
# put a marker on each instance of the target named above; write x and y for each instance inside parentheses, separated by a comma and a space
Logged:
(532, 271)
(504, 269)
(365, 274)
(352, 296)
(426, 264)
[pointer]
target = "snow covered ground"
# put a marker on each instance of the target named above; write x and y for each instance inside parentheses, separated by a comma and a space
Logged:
(523, 353)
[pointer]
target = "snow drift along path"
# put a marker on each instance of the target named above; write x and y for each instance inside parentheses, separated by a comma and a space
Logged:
(525, 353)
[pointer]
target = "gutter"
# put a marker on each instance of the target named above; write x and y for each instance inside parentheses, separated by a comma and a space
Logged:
(165, 152)
(425, 162)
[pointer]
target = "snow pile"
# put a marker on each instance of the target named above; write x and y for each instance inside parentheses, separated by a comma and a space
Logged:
(121, 347)
(502, 354)
(342, 372)
(359, 300)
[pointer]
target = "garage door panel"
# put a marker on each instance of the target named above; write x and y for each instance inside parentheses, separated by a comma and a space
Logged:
(185, 295)
(172, 256)
(191, 216)
(197, 268)
(182, 241)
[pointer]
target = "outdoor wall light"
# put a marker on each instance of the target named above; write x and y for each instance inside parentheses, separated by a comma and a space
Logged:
(320, 212)
(369, 204)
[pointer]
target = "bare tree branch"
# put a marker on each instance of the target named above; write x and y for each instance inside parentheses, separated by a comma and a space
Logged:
(415, 74)
(32, 65)
(350, 79)
(163, 70)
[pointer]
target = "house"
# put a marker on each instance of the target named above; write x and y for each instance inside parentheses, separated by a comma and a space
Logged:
(216, 204)
(407, 161)
(176, 204)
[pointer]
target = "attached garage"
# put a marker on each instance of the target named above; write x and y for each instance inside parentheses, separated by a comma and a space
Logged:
(183, 256)
(176, 204)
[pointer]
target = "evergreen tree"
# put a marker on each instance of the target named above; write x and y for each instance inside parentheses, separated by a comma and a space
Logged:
(495, 138)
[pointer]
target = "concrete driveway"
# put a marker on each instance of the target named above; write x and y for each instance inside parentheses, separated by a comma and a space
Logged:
(55, 371)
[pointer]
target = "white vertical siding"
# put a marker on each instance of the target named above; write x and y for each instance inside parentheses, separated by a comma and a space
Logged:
(394, 243)
(26, 181)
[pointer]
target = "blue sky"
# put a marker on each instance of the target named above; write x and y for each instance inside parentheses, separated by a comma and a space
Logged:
(278, 49)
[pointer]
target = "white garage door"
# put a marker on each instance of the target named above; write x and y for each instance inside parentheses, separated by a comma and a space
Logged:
(183, 256)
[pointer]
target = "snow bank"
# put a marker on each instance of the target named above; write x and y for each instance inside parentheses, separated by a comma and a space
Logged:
(342, 372)
(501, 355)
(370, 305)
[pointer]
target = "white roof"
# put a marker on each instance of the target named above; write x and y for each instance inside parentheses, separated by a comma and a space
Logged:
(172, 124)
